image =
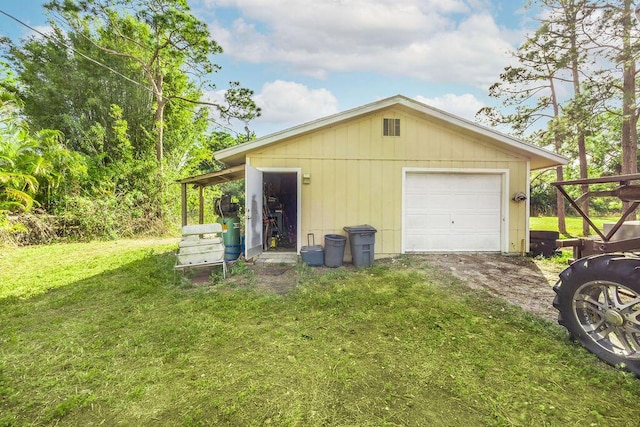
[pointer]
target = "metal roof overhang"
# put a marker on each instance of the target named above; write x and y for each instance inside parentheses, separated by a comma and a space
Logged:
(201, 181)
(225, 175)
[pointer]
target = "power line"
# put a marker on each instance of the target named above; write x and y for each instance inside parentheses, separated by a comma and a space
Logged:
(74, 50)
(95, 61)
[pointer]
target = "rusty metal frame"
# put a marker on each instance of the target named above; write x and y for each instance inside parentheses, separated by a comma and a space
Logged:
(625, 191)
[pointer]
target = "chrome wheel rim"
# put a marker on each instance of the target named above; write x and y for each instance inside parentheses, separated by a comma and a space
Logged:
(608, 313)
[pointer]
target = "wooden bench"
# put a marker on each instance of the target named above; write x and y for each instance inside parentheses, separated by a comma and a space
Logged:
(201, 246)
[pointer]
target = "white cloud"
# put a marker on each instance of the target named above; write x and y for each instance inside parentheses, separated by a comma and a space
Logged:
(293, 103)
(434, 40)
(465, 106)
(47, 30)
(284, 104)
(40, 32)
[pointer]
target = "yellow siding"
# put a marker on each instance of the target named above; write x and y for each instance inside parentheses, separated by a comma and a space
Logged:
(356, 173)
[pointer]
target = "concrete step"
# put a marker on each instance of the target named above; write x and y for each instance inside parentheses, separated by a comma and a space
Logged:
(277, 258)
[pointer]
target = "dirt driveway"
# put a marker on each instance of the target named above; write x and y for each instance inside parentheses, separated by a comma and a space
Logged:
(519, 280)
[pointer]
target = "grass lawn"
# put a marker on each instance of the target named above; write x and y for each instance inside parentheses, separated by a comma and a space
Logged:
(574, 224)
(106, 333)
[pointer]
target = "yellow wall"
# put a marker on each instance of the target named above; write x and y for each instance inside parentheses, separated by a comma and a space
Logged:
(356, 173)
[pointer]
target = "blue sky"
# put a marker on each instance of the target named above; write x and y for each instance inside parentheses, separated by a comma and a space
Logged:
(309, 59)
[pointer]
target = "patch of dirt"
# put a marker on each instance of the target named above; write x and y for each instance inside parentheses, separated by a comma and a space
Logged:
(518, 280)
(278, 279)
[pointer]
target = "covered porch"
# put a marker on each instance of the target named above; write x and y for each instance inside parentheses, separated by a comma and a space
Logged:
(200, 182)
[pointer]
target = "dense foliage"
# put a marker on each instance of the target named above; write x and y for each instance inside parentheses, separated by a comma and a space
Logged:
(103, 114)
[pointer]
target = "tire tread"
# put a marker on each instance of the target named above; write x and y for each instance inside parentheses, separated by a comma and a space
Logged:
(620, 268)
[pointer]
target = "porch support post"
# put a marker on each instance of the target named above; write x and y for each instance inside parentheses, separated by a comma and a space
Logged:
(201, 213)
(184, 204)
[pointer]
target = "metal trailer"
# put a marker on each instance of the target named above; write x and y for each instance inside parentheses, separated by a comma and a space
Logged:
(598, 295)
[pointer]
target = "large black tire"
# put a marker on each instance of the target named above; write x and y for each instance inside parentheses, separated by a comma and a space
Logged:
(598, 298)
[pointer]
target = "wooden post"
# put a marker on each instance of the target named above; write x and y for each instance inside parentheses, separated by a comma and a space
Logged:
(201, 213)
(184, 204)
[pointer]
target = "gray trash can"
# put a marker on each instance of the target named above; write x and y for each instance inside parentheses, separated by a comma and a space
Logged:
(334, 249)
(362, 239)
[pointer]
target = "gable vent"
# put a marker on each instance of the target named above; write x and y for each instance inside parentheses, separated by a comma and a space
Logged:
(391, 127)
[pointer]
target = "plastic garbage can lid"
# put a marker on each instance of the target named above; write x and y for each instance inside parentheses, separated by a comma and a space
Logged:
(365, 228)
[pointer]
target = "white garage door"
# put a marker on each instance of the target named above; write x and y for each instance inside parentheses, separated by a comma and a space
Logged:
(447, 212)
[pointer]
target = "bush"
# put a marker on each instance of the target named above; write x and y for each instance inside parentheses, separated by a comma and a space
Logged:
(83, 218)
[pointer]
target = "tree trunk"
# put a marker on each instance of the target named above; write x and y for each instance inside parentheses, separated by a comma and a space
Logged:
(160, 101)
(629, 143)
(159, 124)
(580, 130)
(560, 210)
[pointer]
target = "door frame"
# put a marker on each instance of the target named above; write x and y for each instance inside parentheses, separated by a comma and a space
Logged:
(504, 203)
(298, 172)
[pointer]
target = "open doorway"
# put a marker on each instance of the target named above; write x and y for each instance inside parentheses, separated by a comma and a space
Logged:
(280, 211)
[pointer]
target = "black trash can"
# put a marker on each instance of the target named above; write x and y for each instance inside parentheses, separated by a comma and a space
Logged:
(334, 250)
(362, 239)
(543, 242)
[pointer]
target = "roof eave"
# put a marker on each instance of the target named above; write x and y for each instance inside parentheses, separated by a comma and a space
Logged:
(544, 163)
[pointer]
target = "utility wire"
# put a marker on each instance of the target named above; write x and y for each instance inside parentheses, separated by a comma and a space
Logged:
(95, 61)
(74, 50)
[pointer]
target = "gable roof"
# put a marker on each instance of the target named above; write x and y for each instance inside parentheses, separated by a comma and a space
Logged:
(539, 157)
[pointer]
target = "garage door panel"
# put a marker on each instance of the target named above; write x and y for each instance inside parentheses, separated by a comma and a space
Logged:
(475, 243)
(427, 201)
(452, 212)
(479, 199)
(438, 243)
(428, 243)
(436, 222)
(478, 221)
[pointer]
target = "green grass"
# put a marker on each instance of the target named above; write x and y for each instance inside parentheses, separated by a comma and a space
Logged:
(106, 333)
(574, 224)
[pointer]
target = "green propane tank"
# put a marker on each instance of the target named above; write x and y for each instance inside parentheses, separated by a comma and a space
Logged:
(230, 237)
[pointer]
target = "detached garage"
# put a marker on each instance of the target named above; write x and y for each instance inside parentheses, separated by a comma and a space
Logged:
(427, 181)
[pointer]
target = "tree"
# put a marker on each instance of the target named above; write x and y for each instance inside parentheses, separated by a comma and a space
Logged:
(18, 162)
(565, 19)
(31, 165)
(547, 62)
(98, 107)
(566, 51)
(64, 90)
(615, 36)
(160, 37)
